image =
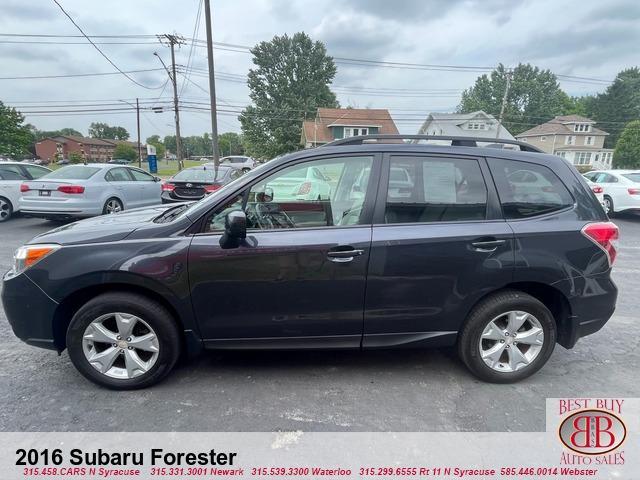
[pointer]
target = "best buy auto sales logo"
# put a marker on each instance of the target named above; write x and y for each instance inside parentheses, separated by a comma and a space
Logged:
(593, 431)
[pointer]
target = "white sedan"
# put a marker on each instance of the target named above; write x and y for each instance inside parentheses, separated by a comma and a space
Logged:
(89, 190)
(12, 175)
(621, 189)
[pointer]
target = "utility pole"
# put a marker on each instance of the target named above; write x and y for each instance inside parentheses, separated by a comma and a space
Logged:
(174, 40)
(212, 84)
(138, 124)
(504, 103)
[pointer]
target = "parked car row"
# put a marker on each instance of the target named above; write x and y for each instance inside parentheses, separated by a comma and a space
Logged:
(620, 189)
(76, 191)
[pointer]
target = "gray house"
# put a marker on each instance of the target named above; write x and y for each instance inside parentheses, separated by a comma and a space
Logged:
(474, 124)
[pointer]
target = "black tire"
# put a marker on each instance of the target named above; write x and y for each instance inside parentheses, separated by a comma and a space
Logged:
(6, 209)
(609, 206)
(151, 312)
(487, 310)
(105, 209)
(246, 170)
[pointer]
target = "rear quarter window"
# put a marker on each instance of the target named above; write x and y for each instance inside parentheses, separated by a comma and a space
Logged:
(527, 189)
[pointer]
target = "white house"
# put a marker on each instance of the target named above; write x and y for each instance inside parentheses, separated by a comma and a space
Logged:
(474, 124)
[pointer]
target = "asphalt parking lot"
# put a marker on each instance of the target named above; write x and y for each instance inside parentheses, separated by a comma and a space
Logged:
(402, 390)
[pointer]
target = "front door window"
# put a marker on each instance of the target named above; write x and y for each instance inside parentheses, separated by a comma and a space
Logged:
(318, 193)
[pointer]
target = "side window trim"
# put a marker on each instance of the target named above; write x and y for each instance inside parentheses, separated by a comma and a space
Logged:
(198, 227)
(493, 210)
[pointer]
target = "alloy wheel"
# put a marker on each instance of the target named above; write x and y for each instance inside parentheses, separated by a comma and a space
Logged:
(120, 345)
(607, 205)
(511, 341)
(113, 206)
(5, 210)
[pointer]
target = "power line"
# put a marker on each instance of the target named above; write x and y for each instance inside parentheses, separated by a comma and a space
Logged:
(196, 28)
(72, 75)
(100, 51)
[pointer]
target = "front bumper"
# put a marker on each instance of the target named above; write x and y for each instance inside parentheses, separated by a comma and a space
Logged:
(29, 310)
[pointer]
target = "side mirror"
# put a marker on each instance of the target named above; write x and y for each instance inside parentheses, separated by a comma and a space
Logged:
(235, 229)
(235, 224)
(157, 179)
(266, 196)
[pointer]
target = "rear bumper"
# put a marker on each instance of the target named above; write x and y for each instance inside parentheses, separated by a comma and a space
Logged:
(592, 301)
(29, 310)
(67, 208)
(167, 198)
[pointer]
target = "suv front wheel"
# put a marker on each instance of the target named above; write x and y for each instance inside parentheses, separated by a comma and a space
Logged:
(507, 337)
(123, 341)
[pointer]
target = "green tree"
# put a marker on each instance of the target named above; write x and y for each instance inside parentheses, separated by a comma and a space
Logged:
(15, 136)
(534, 96)
(156, 141)
(619, 104)
(103, 130)
(125, 151)
(170, 143)
(627, 152)
(230, 143)
(40, 134)
(76, 157)
(289, 82)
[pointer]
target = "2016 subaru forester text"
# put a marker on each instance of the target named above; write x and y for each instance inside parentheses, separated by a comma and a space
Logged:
(369, 242)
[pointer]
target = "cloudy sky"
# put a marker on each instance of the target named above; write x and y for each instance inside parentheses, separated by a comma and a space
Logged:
(585, 38)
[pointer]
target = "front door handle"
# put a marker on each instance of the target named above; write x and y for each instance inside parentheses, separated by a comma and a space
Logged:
(489, 245)
(344, 256)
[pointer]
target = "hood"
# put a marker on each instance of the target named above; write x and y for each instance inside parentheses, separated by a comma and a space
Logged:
(105, 228)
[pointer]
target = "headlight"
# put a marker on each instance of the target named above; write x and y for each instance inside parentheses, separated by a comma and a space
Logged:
(29, 255)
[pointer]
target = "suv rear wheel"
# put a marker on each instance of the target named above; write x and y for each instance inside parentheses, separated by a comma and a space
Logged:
(123, 341)
(507, 337)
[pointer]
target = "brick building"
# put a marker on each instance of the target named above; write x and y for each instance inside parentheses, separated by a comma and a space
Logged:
(91, 149)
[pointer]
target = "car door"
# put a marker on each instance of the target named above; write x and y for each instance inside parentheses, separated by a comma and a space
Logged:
(299, 278)
(123, 186)
(149, 189)
(439, 243)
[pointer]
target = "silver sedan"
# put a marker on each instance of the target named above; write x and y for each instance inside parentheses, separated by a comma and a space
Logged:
(89, 190)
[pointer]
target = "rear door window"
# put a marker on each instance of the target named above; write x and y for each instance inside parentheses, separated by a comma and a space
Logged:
(428, 189)
(11, 172)
(528, 189)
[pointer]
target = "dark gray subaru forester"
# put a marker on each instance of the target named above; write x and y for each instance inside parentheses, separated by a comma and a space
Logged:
(368, 242)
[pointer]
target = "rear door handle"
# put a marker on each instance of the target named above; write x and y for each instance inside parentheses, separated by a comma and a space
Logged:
(487, 245)
(343, 256)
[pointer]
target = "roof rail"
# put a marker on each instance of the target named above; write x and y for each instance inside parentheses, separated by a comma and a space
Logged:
(455, 141)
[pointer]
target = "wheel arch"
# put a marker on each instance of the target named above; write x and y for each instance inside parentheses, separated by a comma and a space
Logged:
(551, 297)
(75, 300)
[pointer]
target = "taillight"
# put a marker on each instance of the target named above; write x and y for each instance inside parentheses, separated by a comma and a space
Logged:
(597, 189)
(73, 189)
(24, 187)
(168, 187)
(633, 191)
(304, 189)
(604, 235)
(212, 188)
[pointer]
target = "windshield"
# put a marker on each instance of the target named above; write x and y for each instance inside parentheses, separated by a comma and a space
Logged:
(200, 174)
(634, 177)
(72, 172)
